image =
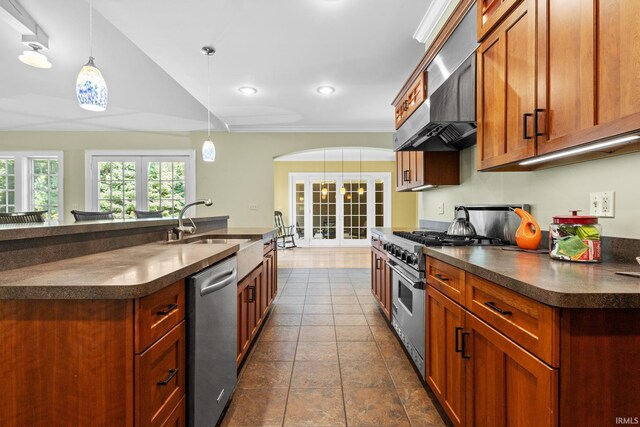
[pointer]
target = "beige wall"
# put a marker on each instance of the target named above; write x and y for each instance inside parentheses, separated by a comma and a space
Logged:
(242, 174)
(403, 205)
(551, 191)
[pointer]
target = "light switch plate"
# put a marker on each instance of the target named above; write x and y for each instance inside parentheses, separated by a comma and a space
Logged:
(441, 209)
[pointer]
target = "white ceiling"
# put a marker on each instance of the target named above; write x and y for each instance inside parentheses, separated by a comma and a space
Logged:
(339, 154)
(284, 48)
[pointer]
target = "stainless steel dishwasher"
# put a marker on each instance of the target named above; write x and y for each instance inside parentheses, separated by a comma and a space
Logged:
(211, 341)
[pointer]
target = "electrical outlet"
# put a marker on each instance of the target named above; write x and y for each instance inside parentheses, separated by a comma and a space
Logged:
(441, 209)
(253, 207)
(607, 204)
(602, 204)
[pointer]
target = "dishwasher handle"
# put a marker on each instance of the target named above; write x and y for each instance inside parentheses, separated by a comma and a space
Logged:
(208, 287)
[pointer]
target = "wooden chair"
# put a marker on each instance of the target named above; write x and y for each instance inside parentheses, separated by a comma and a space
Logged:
(147, 214)
(22, 217)
(91, 216)
(285, 232)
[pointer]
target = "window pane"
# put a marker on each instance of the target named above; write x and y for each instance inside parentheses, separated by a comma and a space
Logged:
(166, 187)
(117, 188)
(7, 185)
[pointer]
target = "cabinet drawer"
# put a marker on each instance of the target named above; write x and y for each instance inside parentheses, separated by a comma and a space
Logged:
(157, 313)
(160, 378)
(446, 278)
(177, 417)
(533, 325)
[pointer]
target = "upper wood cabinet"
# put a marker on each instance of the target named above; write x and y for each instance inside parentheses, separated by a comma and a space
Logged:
(553, 74)
(418, 168)
(411, 99)
(506, 87)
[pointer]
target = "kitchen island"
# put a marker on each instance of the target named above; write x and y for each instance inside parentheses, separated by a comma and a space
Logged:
(100, 339)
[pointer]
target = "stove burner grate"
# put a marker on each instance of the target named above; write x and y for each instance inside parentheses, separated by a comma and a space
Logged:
(439, 238)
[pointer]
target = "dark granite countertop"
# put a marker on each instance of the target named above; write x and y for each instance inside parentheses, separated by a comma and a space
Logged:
(552, 282)
(131, 272)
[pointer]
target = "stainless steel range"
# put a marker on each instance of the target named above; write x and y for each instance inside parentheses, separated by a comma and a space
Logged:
(408, 264)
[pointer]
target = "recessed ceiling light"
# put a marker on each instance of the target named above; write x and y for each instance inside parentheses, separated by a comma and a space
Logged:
(326, 90)
(248, 90)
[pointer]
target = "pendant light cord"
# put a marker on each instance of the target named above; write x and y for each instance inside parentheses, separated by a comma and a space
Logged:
(208, 96)
(90, 28)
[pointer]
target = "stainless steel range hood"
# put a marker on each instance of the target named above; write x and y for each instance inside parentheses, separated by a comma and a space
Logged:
(446, 121)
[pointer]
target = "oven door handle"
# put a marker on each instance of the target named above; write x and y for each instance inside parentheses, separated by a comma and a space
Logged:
(416, 284)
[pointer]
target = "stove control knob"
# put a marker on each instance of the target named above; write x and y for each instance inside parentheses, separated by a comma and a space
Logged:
(405, 255)
(412, 258)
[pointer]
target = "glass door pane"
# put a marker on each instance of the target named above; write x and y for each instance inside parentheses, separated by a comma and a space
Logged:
(355, 210)
(299, 208)
(323, 211)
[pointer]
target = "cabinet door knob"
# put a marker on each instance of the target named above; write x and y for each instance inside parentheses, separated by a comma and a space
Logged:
(405, 105)
(536, 122)
(524, 125)
(458, 348)
(492, 305)
(167, 310)
(172, 373)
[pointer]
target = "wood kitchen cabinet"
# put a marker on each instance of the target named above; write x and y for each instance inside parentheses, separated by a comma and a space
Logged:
(444, 365)
(554, 74)
(414, 96)
(94, 362)
(381, 280)
(418, 168)
(506, 63)
(256, 293)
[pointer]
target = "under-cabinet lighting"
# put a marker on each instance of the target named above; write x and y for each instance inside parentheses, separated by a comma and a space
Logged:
(423, 187)
(592, 147)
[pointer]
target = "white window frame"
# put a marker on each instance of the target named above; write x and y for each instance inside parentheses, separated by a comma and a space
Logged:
(308, 177)
(23, 171)
(141, 158)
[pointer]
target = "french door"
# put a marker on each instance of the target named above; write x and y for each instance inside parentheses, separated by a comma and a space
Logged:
(324, 216)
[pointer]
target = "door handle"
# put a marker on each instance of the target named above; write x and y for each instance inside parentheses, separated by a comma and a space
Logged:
(463, 349)
(415, 284)
(167, 310)
(492, 305)
(524, 125)
(172, 373)
(252, 294)
(209, 287)
(536, 122)
(458, 348)
(441, 277)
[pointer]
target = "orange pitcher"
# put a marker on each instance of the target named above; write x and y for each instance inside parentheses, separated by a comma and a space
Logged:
(528, 234)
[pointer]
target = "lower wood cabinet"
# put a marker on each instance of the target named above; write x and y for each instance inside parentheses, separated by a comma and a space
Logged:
(94, 362)
(256, 292)
(418, 168)
(381, 280)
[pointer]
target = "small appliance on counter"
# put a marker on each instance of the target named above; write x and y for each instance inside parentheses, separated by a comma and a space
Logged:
(575, 238)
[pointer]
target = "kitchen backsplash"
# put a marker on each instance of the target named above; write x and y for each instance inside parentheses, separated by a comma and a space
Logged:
(553, 191)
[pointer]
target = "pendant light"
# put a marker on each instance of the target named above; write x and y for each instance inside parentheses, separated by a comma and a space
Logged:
(360, 189)
(324, 190)
(208, 149)
(342, 189)
(91, 89)
(34, 58)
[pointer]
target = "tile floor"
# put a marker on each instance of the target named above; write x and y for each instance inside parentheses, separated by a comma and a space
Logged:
(326, 357)
(319, 257)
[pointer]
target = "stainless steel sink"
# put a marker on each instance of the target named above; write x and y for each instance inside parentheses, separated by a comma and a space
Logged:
(249, 256)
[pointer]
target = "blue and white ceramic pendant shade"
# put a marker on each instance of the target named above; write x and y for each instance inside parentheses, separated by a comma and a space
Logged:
(91, 88)
(208, 149)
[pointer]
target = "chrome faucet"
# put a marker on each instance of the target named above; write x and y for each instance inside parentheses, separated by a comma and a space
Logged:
(181, 228)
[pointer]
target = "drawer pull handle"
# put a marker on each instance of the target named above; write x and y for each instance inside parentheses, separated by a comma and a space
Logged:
(441, 277)
(167, 310)
(252, 294)
(172, 373)
(458, 348)
(493, 306)
(463, 350)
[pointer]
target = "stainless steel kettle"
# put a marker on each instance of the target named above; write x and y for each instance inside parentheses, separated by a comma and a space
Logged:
(461, 226)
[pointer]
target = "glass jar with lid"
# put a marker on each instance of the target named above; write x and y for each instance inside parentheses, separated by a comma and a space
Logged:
(575, 238)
